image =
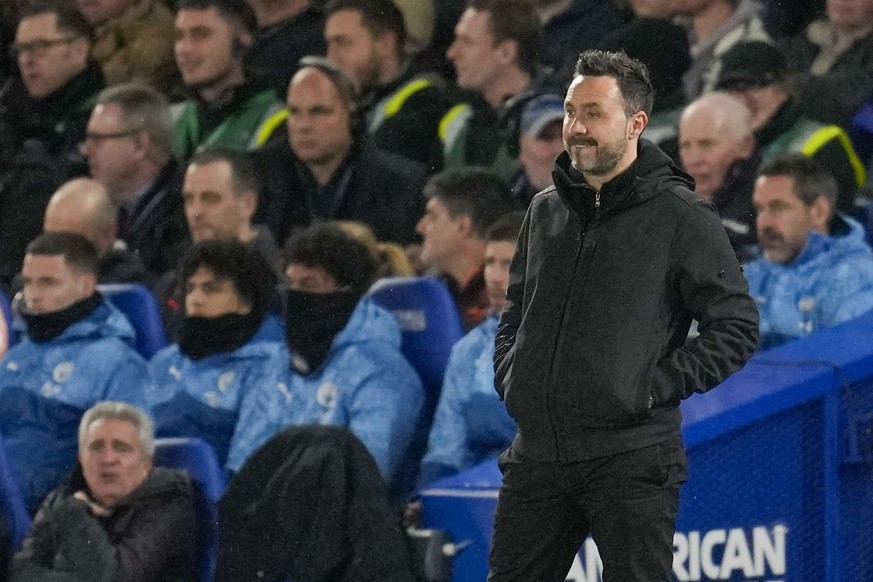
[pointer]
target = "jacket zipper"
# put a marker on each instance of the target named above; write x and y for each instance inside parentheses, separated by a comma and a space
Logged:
(559, 340)
(597, 199)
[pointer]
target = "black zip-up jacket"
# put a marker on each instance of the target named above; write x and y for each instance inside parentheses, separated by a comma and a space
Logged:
(591, 353)
(151, 535)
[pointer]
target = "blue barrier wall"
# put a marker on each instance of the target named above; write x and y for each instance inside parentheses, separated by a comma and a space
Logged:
(781, 473)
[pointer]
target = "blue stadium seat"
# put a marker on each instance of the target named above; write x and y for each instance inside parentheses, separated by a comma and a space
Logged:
(13, 513)
(861, 132)
(863, 213)
(198, 459)
(8, 317)
(141, 309)
(429, 322)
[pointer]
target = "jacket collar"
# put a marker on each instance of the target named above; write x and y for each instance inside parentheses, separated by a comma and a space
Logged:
(786, 116)
(625, 190)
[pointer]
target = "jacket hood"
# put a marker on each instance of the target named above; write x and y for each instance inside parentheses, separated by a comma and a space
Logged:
(629, 188)
(104, 321)
(831, 249)
(368, 323)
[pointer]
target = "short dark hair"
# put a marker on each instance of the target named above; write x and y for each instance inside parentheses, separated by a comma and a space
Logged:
(377, 16)
(811, 179)
(327, 246)
(243, 175)
(69, 18)
(475, 192)
(78, 252)
(238, 12)
(631, 75)
(506, 228)
(244, 266)
(515, 20)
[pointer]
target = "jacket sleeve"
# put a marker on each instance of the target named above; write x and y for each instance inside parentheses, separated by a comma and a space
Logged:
(447, 448)
(131, 381)
(261, 415)
(849, 292)
(35, 561)
(142, 554)
(713, 289)
(383, 412)
(510, 319)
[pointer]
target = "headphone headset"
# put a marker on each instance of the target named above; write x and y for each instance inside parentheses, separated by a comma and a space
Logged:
(345, 86)
(510, 120)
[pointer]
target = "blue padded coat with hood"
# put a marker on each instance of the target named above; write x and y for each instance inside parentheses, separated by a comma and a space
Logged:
(46, 386)
(471, 422)
(201, 398)
(365, 384)
(829, 282)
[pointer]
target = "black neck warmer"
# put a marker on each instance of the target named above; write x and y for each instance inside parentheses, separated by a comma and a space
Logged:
(312, 321)
(202, 337)
(42, 327)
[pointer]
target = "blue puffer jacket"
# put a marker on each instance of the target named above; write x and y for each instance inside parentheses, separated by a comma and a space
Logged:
(830, 281)
(201, 398)
(365, 385)
(471, 423)
(46, 386)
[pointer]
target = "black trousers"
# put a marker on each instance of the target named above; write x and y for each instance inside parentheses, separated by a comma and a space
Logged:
(627, 502)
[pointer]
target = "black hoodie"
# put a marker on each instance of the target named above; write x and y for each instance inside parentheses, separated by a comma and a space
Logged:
(590, 353)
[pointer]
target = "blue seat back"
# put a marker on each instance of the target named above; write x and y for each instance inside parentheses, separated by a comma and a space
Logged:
(429, 322)
(197, 458)
(861, 132)
(138, 304)
(8, 317)
(12, 507)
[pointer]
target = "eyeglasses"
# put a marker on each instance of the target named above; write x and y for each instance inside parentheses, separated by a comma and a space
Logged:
(38, 48)
(97, 136)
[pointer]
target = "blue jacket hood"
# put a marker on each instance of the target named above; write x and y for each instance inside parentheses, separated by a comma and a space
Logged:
(369, 323)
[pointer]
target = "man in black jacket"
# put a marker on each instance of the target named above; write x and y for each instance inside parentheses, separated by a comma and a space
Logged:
(402, 106)
(613, 264)
(127, 146)
(324, 171)
(118, 518)
(43, 111)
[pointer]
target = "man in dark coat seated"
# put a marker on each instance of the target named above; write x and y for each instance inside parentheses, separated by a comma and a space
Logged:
(43, 112)
(117, 518)
(321, 172)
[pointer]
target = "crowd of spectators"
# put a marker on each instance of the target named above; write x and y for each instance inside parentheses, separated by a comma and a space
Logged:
(259, 164)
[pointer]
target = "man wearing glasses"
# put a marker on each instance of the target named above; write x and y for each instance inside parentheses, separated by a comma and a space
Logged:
(127, 145)
(43, 112)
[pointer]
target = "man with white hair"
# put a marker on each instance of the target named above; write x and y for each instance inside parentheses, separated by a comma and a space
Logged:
(118, 518)
(717, 147)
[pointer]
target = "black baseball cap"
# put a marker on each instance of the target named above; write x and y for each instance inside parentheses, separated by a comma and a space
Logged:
(751, 64)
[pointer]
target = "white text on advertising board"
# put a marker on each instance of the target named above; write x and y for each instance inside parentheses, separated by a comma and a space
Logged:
(751, 555)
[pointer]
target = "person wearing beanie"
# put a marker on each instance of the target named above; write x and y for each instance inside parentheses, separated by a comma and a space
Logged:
(539, 143)
(757, 74)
